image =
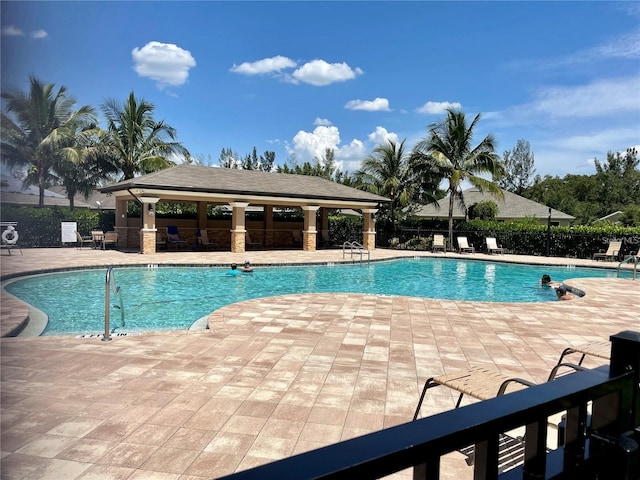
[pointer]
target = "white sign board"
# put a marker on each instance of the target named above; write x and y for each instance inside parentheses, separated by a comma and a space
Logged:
(68, 231)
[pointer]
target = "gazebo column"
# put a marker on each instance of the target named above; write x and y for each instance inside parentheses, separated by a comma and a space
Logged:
(324, 220)
(148, 230)
(268, 225)
(121, 223)
(309, 233)
(238, 230)
(369, 230)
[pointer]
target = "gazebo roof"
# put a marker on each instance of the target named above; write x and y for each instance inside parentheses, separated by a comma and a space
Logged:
(224, 184)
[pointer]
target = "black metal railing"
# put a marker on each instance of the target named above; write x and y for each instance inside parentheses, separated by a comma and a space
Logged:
(601, 433)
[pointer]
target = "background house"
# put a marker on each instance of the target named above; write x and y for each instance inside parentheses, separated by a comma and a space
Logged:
(512, 207)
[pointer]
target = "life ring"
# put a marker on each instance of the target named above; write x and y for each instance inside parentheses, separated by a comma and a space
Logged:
(10, 236)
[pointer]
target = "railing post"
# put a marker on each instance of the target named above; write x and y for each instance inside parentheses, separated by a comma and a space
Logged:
(615, 422)
(625, 357)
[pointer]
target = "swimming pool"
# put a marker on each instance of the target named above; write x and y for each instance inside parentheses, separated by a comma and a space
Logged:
(173, 298)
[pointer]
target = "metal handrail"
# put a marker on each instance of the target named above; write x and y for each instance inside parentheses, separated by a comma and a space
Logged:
(359, 249)
(632, 258)
(107, 303)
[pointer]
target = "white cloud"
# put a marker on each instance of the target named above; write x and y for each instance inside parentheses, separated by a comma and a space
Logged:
(322, 121)
(38, 34)
(165, 63)
(376, 105)
(320, 73)
(381, 135)
(602, 97)
(266, 65)
(309, 145)
(12, 31)
(436, 108)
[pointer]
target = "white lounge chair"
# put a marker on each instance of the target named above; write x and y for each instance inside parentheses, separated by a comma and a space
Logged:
(463, 246)
(438, 244)
(612, 253)
(492, 246)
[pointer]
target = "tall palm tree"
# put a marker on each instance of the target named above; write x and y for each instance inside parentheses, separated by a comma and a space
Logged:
(135, 142)
(448, 151)
(386, 172)
(42, 123)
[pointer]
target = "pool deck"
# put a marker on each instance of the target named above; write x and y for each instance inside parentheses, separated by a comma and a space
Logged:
(270, 377)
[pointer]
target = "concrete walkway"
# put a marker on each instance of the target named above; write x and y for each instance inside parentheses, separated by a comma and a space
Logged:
(271, 377)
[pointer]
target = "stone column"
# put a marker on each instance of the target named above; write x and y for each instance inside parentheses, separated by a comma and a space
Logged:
(148, 231)
(309, 233)
(238, 230)
(369, 230)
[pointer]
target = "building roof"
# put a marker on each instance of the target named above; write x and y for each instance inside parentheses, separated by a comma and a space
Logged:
(107, 202)
(13, 193)
(513, 206)
(224, 184)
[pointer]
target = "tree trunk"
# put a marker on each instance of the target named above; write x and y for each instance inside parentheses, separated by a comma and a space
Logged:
(451, 217)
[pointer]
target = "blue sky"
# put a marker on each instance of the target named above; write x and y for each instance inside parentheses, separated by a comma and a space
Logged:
(299, 77)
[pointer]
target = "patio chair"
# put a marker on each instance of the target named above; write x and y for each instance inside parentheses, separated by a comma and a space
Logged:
(438, 244)
(10, 239)
(595, 349)
(96, 237)
(612, 253)
(203, 240)
(82, 241)
(110, 238)
(325, 239)
(296, 235)
(492, 246)
(463, 246)
(483, 383)
(250, 243)
(174, 240)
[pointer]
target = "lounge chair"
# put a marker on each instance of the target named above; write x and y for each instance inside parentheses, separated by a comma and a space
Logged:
(438, 244)
(492, 246)
(203, 240)
(82, 241)
(595, 349)
(296, 235)
(483, 383)
(250, 243)
(463, 246)
(325, 239)
(612, 253)
(174, 240)
(110, 238)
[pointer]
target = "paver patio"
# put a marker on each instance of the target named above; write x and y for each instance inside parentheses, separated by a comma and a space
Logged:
(270, 377)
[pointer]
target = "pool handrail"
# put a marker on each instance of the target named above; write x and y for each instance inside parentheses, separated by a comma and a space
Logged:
(359, 249)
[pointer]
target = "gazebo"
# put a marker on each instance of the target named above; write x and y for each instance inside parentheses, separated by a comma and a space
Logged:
(240, 191)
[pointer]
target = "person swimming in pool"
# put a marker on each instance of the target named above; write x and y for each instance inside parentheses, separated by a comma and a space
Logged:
(246, 267)
(546, 281)
(564, 294)
(234, 270)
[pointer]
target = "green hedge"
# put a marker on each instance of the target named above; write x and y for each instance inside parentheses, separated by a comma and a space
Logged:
(40, 227)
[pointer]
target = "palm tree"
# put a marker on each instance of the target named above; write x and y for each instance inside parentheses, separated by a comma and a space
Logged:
(448, 151)
(135, 142)
(45, 123)
(387, 172)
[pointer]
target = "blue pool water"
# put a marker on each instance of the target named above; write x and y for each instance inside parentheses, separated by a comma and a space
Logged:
(174, 298)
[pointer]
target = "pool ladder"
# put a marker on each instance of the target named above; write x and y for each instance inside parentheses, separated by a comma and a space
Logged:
(359, 249)
(109, 278)
(630, 259)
